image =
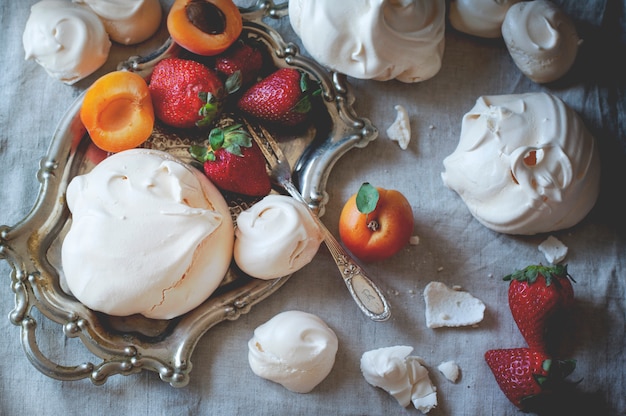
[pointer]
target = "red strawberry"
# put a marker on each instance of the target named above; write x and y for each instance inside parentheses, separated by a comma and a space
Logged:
(241, 57)
(185, 93)
(233, 162)
(537, 294)
(526, 376)
(283, 97)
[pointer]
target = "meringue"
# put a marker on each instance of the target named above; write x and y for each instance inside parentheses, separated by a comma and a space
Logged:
(68, 40)
(295, 349)
(482, 18)
(275, 237)
(525, 164)
(402, 376)
(541, 39)
(149, 235)
(446, 307)
(383, 40)
(127, 21)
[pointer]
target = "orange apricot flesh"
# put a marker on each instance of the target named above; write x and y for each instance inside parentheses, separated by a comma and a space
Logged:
(117, 111)
(204, 27)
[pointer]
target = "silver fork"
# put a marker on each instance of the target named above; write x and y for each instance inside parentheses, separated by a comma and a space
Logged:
(366, 294)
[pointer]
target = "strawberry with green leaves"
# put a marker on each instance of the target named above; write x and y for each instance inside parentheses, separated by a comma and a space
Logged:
(537, 295)
(528, 377)
(283, 97)
(241, 63)
(186, 93)
(233, 162)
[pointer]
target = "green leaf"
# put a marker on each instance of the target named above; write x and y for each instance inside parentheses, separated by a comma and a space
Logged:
(201, 153)
(367, 198)
(216, 138)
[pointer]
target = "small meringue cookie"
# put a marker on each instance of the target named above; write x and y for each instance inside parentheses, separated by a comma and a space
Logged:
(127, 21)
(68, 40)
(295, 349)
(541, 39)
(275, 237)
(482, 18)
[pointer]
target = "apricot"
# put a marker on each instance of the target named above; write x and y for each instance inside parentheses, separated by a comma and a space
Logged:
(380, 233)
(117, 111)
(204, 27)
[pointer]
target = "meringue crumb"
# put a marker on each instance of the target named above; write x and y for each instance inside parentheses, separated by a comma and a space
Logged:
(400, 129)
(414, 240)
(554, 250)
(450, 370)
(440, 269)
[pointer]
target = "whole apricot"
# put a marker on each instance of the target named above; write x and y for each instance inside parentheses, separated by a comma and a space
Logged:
(380, 231)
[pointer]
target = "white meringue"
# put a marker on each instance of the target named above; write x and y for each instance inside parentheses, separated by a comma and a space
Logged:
(68, 40)
(149, 235)
(402, 376)
(275, 237)
(524, 164)
(482, 18)
(127, 21)
(295, 349)
(541, 39)
(380, 39)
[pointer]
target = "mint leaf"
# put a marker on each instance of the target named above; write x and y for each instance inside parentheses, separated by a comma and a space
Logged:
(367, 198)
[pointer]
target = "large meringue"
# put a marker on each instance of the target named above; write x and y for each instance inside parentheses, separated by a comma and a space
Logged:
(68, 40)
(525, 164)
(380, 39)
(295, 349)
(541, 39)
(149, 235)
(276, 237)
(127, 21)
(482, 18)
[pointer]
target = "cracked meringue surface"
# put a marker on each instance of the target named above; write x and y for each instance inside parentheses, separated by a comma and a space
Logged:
(149, 236)
(525, 164)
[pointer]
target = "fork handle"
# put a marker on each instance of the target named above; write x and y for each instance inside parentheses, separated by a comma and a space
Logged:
(366, 294)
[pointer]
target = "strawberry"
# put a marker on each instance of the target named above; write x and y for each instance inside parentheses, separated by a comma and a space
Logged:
(185, 93)
(233, 161)
(527, 377)
(537, 295)
(243, 59)
(283, 97)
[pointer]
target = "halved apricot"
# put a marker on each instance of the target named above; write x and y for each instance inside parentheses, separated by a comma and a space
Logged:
(204, 27)
(117, 111)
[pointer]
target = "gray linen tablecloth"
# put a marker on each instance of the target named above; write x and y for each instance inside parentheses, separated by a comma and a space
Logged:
(454, 248)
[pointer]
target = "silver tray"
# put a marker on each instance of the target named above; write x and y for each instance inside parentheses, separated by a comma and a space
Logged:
(133, 344)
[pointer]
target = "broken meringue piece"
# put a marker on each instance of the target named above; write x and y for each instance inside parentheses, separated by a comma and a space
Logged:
(451, 308)
(400, 130)
(450, 370)
(401, 375)
(554, 250)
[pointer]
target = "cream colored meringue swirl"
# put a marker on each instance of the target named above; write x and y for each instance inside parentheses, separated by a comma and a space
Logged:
(148, 236)
(482, 18)
(68, 40)
(275, 237)
(541, 39)
(524, 164)
(379, 39)
(127, 21)
(295, 349)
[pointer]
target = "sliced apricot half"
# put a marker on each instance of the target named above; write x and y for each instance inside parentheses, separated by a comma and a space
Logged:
(204, 27)
(117, 111)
